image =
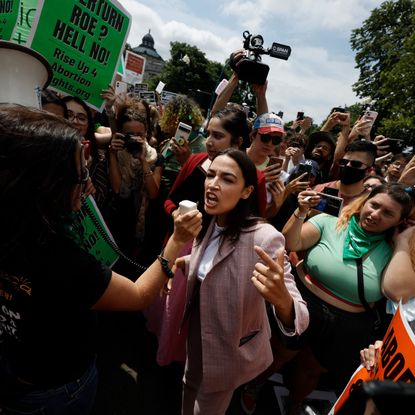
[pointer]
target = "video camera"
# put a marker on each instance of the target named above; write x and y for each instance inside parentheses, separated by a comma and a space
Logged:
(251, 69)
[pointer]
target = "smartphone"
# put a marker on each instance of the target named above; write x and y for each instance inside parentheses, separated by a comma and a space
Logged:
(300, 115)
(304, 168)
(370, 115)
(148, 96)
(120, 87)
(275, 161)
(329, 204)
(396, 145)
(280, 114)
(182, 133)
(330, 191)
(338, 109)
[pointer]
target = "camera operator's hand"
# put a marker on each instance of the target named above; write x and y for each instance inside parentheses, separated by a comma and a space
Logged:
(381, 143)
(181, 152)
(236, 58)
(272, 173)
(117, 143)
(260, 90)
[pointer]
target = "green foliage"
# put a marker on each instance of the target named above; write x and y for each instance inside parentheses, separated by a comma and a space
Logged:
(199, 74)
(385, 56)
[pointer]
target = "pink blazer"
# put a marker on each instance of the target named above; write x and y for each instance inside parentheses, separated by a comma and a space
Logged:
(232, 311)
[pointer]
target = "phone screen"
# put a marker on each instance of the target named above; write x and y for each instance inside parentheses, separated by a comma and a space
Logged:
(275, 161)
(303, 168)
(331, 205)
(395, 145)
(182, 133)
(300, 115)
(330, 191)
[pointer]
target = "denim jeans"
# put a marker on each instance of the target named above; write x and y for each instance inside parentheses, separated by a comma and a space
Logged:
(74, 398)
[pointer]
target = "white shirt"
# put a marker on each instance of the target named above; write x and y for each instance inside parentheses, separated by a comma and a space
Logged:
(210, 253)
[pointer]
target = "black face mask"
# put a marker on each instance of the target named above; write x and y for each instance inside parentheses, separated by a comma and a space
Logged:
(351, 175)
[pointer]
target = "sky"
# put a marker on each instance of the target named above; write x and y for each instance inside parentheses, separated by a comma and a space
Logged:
(321, 69)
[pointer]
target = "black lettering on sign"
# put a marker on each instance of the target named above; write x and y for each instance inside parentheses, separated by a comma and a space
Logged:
(6, 6)
(83, 20)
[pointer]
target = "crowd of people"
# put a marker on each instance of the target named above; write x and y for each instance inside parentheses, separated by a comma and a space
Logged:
(255, 280)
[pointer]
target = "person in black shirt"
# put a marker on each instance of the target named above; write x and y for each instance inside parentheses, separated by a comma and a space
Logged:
(50, 287)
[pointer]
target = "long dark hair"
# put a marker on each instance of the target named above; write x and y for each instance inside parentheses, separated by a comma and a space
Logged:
(37, 174)
(244, 214)
(235, 122)
(90, 132)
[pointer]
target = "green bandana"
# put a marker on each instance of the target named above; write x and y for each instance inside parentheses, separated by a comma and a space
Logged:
(358, 242)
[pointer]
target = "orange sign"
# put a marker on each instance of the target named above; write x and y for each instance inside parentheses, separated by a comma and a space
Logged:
(396, 360)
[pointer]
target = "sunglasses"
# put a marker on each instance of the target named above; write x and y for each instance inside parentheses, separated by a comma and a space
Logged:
(266, 138)
(356, 164)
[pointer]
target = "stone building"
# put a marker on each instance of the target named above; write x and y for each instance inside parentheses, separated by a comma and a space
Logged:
(154, 62)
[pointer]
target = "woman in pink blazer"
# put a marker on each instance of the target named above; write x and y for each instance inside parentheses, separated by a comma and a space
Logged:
(229, 334)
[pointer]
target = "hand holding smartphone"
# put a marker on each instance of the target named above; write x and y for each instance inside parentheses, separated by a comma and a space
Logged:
(370, 116)
(120, 87)
(182, 133)
(275, 161)
(329, 204)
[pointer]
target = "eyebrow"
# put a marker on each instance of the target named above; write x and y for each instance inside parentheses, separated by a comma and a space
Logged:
(223, 173)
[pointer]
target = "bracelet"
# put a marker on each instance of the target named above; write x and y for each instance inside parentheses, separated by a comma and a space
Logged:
(164, 262)
(148, 173)
(299, 216)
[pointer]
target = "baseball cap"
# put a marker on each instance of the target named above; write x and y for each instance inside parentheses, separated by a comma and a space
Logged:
(315, 168)
(269, 123)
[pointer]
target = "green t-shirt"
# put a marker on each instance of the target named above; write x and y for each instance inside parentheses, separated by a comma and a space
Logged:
(325, 263)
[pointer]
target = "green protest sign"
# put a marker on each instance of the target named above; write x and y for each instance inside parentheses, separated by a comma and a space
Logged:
(83, 44)
(26, 14)
(89, 231)
(9, 9)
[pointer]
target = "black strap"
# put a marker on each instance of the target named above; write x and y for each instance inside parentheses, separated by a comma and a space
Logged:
(361, 291)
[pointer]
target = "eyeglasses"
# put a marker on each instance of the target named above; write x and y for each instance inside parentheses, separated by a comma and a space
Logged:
(82, 118)
(266, 138)
(356, 164)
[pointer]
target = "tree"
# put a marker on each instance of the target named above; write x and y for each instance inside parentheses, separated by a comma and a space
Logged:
(197, 73)
(385, 57)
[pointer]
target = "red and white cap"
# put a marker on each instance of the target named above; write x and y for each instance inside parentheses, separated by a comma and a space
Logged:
(269, 123)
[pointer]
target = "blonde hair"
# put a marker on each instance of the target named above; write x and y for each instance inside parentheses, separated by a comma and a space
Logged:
(347, 212)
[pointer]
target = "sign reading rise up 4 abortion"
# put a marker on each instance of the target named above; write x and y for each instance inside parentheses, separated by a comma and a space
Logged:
(83, 41)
